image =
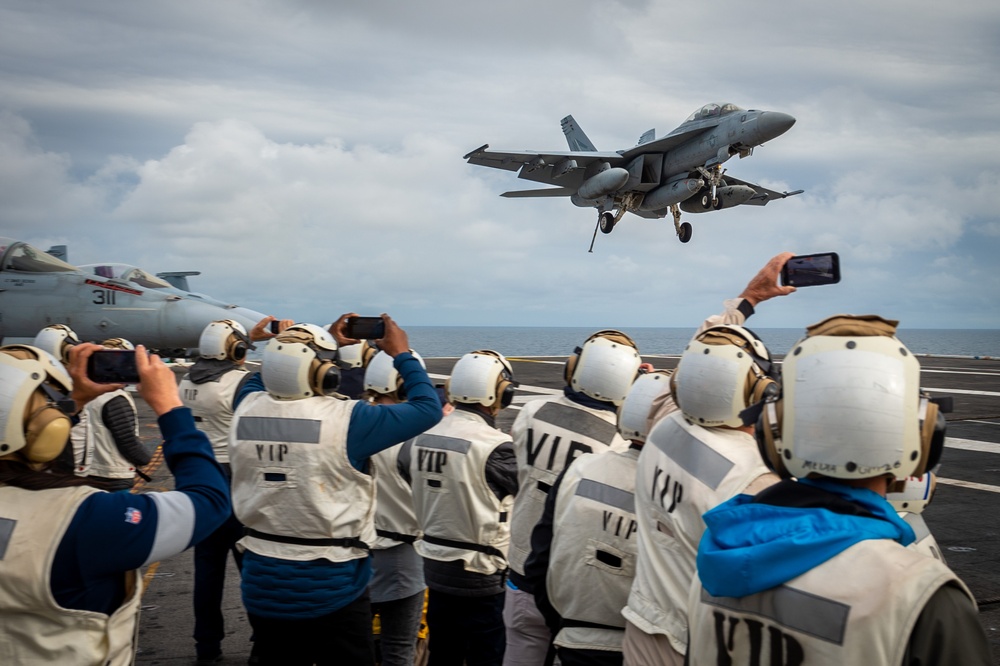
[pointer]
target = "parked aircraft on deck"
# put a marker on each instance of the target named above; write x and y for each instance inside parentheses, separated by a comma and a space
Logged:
(680, 171)
(38, 289)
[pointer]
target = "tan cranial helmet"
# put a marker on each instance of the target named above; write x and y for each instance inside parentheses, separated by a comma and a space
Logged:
(118, 343)
(33, 424)
(604, 367)
(722, 371)
(851, 406)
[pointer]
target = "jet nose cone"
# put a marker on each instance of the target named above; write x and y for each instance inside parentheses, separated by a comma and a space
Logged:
(771, 124)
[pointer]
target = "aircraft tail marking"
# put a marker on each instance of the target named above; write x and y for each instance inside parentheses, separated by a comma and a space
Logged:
(575, 136)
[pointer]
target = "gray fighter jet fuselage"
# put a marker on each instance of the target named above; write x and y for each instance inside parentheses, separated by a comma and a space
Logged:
(680, 171)
(38, 289)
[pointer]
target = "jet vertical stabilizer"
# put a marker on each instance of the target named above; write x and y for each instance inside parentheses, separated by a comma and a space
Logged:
(575, 136)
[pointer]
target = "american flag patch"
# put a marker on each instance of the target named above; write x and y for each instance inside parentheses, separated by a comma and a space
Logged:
(133, 516)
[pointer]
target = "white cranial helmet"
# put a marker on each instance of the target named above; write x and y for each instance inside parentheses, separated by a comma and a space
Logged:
(722, 372)
(604, 367)
(851, 406)
(913, 493)
(32, 421)
(57, 340)
(633, 414)
(300, 362)
(224, 340)
(358, 355)
(482, 377)
(382, 377)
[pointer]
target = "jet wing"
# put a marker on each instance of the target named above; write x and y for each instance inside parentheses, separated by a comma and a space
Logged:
(546, 192)
(763, 195)
(533, 161)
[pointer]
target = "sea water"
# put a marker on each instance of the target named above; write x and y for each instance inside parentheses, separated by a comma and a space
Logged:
(519, 341)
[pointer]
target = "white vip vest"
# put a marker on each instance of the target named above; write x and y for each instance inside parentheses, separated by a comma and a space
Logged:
(684, 470)
(94, 448)
(925, 542)
(394, 514)
(292, 480)
(548, 435)
(452, 500)
(212, 406)
(33, 628)
(592, 559)
(859, 607)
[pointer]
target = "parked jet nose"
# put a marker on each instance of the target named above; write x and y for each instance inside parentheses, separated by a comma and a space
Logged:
(771, 124)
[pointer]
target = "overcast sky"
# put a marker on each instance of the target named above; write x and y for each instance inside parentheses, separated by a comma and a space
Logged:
(306, 155)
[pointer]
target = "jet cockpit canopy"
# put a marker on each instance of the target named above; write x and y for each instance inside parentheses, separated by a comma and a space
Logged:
(713, 110)
(19, 256)
(127, 273)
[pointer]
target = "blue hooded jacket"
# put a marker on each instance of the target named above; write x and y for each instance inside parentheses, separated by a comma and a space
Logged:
(752, 544)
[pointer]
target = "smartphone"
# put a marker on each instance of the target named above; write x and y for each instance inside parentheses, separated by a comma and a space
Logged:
(365, 328)
(112, 366)
(274, 326)
(808, 270)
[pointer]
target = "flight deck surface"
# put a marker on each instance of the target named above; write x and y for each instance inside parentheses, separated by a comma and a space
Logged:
(962, 517)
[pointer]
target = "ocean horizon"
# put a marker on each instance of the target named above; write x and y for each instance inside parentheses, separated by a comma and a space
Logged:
(453, 341)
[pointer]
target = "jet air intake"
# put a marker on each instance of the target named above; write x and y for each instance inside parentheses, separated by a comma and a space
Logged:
(671, 193)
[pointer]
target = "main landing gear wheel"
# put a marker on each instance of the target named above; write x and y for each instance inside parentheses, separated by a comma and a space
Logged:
(684, 233)
(707, 202)
(607, 222)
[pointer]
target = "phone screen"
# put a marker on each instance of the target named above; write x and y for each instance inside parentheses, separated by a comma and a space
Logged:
(811, 269)
(365, 328)
(112, 366)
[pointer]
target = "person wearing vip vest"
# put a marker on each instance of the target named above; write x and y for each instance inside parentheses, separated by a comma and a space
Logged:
(397, 587)
(693, 459)
(69, 552)
(583, 548)
(464, 478)
(209, 389)
(548, 434)
(909, 497)
(816, 569)
(303, 488)
(106, 442)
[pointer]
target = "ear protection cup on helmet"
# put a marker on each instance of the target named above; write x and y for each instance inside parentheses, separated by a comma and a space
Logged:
(46, 430)
(570, 367)
(505, 389)
(324, 377)
(767, 432)
(932, 433)
(762, 387)
(236, 349)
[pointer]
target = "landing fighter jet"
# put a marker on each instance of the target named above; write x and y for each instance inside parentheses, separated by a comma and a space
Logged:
(38, 289)
(680, 171)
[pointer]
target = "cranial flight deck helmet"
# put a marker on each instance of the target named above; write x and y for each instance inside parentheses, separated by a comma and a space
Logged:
(913, 493)
(724, 370)
(57, 340)
(604, 367)
(633, 414)
(482, 377)
(34, 425)
(300, 362)
(224, 340)
(851, 406)
(358, 355)
(118, 343)
(382, 377)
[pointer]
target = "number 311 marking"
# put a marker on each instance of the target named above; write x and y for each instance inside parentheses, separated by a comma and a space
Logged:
(104, 297)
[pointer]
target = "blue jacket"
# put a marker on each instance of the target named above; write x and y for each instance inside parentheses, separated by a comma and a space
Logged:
(752, 544)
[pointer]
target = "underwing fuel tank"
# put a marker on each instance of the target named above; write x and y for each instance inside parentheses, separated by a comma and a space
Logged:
(728, 196)
(602, 184)
(671, 193)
